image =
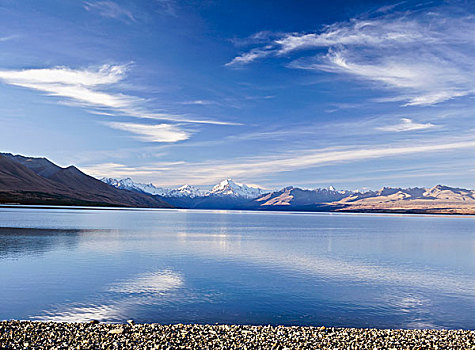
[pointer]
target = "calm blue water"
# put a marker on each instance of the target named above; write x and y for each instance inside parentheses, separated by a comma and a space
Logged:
(169, 266)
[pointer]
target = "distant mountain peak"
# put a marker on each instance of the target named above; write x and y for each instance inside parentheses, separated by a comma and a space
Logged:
(129, 184)
(186, 191)
(442, 188)
(225, 188)
(230, 188)
(30, 180)
(228, 193)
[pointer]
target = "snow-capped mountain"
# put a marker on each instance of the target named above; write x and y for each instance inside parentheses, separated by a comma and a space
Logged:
(230, 188)
(186, 191)
(297, 197)
(226, 188)
(231, 195)
(129, 184)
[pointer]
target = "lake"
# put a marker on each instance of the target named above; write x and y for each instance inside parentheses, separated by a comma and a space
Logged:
(192, 266)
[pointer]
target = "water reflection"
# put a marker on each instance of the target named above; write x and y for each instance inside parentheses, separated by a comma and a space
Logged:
(26, 241)
(262, 253)
(145, 289)
(149, 283)
(237, 267)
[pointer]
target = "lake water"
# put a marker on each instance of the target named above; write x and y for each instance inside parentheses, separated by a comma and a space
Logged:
(191, 266)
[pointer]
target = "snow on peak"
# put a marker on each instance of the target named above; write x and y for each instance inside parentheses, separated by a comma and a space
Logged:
(129, 184)
(186, 191)
(225, 188)
(230, 188)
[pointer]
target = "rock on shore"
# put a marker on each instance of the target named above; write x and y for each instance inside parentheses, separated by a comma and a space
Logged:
(94, 335)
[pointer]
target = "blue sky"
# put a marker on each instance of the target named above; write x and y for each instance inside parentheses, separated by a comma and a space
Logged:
(307, 93)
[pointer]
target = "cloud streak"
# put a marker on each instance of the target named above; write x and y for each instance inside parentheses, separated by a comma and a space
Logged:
(152, 133)
(406, 124)
(81, 85)
(426, 58)
(110, 9)
(91, 87)
(94, 89)
(8, 38)
(121, 170)
(250, 56)
(199, 102)
(206, 173)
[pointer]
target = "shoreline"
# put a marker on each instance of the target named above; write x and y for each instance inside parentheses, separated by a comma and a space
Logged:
(410, 212)
(95, 335)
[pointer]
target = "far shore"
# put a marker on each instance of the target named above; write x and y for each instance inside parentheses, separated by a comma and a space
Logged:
(95, 335)
(436, 211)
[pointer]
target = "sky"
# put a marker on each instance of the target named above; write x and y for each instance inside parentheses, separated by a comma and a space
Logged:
(350, 94)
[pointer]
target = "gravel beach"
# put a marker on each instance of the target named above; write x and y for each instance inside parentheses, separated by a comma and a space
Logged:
(94, 335)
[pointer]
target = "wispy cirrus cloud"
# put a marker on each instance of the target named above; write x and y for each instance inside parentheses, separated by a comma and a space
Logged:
(425, 56)
(122, 170)
(8, 38)
(95, 88)
(168, 7)
(250, 168)
(250, 56)
(199, 102)
(152, 132)
(356, 32)
(406, 124)
(423, 80)
(82, 86)
(92, 87)
(110, 9)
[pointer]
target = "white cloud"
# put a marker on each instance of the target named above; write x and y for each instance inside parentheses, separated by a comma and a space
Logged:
(79, 85)
(198, 102)
(121, 170)
(152, 133)
(90, 88)
(426, 58)
(250, 56)
(7, 38)
(406, 124)
(356, 33)
(206, 173)
(110, 9)
(168, 7)
(425, 79)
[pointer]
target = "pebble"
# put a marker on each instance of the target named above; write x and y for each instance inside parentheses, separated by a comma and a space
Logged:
(116, 331)
(50, 335)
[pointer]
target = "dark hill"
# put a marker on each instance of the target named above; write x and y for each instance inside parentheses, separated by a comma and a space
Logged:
(28, 180)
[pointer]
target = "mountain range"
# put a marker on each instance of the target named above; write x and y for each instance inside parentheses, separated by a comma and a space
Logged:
(29, 180)
(438, 199)
(225, 188)
(230, 195)
(225, 195)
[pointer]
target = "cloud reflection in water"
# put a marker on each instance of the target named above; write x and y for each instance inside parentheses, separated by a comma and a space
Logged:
(144, 289)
